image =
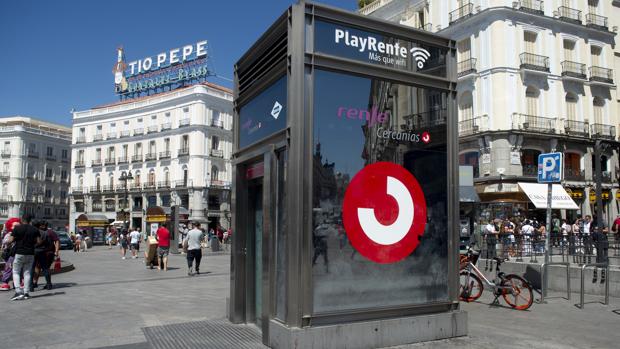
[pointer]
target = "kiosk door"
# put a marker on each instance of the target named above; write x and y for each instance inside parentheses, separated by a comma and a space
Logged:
(254, 248)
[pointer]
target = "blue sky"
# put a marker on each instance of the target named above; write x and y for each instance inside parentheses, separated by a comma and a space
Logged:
(58, 55)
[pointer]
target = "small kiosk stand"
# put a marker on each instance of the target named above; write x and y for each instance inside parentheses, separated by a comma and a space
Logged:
(345, 203)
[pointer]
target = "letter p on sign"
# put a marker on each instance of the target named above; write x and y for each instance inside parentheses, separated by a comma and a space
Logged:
(550, 168)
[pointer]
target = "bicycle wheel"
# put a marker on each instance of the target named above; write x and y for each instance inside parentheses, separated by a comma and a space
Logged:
(470, 287)
(519, 296)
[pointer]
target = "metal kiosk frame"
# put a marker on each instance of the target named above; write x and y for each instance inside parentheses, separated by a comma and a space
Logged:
(286, 49)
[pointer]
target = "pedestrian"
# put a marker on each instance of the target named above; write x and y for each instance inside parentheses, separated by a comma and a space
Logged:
(8, 253)
(26, 237)
(135, 237)
(192, 245)
(566, 230)
(44, 255)
(108, 238)
(163, 248)
(599, 238)
(123, 243)
(588, 247)
(78, 242)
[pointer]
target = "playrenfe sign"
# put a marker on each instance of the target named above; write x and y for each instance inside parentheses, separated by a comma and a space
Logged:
(168, 58)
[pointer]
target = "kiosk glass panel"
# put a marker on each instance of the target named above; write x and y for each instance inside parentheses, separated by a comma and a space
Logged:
(358, 122)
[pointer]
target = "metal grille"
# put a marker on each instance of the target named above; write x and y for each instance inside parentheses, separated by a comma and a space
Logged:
(204, 334)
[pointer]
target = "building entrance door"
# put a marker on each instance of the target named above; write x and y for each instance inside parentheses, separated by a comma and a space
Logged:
(254, 248)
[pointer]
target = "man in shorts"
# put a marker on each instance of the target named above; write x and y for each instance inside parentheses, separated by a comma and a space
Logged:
(135, 237)
(163, 241)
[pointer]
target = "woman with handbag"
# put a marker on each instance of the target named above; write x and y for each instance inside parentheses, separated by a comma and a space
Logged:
(8, 254)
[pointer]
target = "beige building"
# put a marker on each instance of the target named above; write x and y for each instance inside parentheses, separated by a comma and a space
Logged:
(534, 77)
(36, 165)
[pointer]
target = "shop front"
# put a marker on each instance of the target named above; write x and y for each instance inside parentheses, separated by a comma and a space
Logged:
(93, 226)
(157, 216)
(345, 200)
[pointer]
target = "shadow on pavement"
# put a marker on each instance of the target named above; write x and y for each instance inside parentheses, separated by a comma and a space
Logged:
(34, 296)
(145, 280)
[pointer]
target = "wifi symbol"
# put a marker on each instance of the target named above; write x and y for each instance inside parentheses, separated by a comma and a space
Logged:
(420, 55)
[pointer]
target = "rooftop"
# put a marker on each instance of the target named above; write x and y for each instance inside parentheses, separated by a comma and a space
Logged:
(31, 125)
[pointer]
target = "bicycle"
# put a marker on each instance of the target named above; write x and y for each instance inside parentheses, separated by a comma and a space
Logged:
(515, 290)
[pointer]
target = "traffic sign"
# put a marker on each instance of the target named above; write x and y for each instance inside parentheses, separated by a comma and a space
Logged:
(384, 212)
(550, 168)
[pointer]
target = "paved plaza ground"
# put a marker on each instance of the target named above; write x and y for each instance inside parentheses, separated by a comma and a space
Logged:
(107, 302)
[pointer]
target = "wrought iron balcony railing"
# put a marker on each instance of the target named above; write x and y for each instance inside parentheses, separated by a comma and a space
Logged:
(125, 133)
(466, 67)
(152, 129)
(461, 13)
(98, 137)
(149, 186)
(163, 185)
(181, 184)
(473, 125)
(51, 157)
(123, 160)
(6, 153)
(138, 131)
(218, 153)
(150, 157)
(33, 153)
(568, 14)
(110, 161)
(166, 126)
(108, 188)
(95, 163)
(184, 122)
(532, 123)
(603, 131)
(95, 189)
(80, 139)
(596, 21)
(136, 158)
(135, 186)
(164, 155)
(576, 128)
(573, 69)
(532, 6)
(79, 163)
(5, 174)
(183, 152)
(534, 62)
(574, 174)
(77, 190)
(217, 123)
(601, 74)
(112, 135)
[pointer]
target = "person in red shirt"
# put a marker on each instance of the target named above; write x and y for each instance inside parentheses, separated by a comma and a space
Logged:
(163, 240)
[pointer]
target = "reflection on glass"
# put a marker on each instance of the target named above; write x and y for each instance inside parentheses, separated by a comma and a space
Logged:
(359, 121)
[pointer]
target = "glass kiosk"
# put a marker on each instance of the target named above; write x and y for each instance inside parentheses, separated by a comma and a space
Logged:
(345, 203)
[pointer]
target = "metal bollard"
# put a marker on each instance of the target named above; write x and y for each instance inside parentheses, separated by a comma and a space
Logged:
(582, 292)
(543, 274)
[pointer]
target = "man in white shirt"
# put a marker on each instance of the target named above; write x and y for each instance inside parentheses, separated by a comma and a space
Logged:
(135, 238)
(192, 244)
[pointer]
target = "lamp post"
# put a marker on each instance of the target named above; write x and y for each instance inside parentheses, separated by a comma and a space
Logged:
(125, 177)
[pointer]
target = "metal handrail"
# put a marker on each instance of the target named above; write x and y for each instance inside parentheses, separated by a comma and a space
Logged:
(583, 283)
(545, 286)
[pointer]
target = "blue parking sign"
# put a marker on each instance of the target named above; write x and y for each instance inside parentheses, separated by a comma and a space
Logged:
(550, 168)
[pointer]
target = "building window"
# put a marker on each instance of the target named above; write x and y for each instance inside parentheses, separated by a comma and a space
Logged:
(152, 148)
(214, 173)
(466, 106)
(186, 110)
(65, 153)
(167, 144)
(529, 39)
(98, 154)
(529, 161)
(531, 101)
(464, 50)
(80, 156)
(595, 53)
(152, 201)
(138, 149)
(592, 6)
(215, 143)
(185, 142)
(48, 193)
(165, 200)
(48, 173)
(82, 132)
(571, 106)
(569, 47)
(598, 105)
(99, 129)
(50, 151)
(63, 174)
(151, 178)
(63, 194)
(470, 159)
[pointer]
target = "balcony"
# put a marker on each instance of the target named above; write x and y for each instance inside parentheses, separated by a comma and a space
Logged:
(217, 123)
(49, 178)
(79, 164)
(122, 160)
(121, 187)
(184, 122)
(166, 126)
(80, 139)
(64, 160)
(373, 6)
(98, 137)
(135, 186)
(125, 134)
(163, 185)
(110, 161)
(181, 184)
(573, 70)
(77, 190)
(136, 158)
(97, 207)
(95, 163)
(532, 6)
(596, 22)
(112, 135)
(218, 153)
(33, 154)
(150, 157)
(136, 209)
(164, 155)
(6, 153)
(51, 157)
(531, 123)
(466, 67)
(576, 128)
(603, 131)
(570, 15)
(220, 184)
(605, 176)
(149, 186)
(573, 174)
(47, 200)
(461, 13)
(183, 152)
(138, 131)
(5, 175)
(534, 62)
(473, 125)
(530, 170)
(108, 188)
(152, 129)
(95, 190)
(599, 74)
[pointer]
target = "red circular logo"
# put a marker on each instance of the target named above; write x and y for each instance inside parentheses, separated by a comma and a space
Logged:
(384, 212)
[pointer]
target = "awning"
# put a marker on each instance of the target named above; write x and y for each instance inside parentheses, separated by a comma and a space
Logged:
(468, 194)
(537, 193)
(92, 220)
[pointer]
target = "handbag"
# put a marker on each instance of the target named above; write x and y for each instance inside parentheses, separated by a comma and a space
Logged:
(57, 265)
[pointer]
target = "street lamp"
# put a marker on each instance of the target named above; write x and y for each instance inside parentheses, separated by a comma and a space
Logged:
(124, 178)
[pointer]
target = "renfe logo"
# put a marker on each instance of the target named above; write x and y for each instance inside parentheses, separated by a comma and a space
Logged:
(384, 212)
(371, 44)
(372, 116)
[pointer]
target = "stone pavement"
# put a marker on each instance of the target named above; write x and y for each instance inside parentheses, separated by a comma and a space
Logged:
(110, 303)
